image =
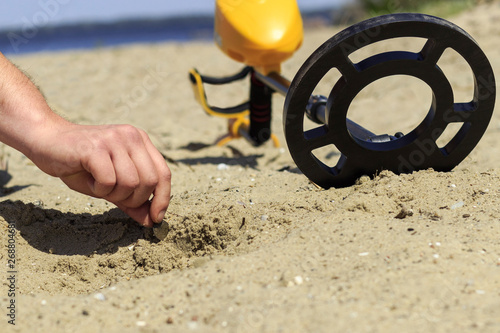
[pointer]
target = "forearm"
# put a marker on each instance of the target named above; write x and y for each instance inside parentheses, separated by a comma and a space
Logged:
(24, 114)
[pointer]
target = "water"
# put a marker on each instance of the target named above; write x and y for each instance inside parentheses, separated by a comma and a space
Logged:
(51, 25)
(85, 36)
(14, 13)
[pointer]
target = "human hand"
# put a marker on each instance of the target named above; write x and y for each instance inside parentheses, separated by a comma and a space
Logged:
(115, 162)
(118, 163)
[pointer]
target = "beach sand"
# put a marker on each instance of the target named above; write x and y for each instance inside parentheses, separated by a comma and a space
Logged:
(249, 244)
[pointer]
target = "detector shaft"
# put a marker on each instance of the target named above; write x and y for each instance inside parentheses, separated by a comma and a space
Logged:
(316, 107)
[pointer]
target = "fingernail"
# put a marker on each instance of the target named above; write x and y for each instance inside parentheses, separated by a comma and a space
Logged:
(161, 216)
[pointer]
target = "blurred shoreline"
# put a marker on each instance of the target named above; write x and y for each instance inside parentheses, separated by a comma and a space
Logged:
(30, 39)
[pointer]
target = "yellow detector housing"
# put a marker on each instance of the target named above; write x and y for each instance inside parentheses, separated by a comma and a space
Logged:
(259, 33)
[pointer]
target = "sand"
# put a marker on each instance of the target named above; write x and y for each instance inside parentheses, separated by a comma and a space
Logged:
(249, 244)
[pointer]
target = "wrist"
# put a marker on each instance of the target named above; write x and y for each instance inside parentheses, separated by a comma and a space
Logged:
(26, 120)
(42, 135)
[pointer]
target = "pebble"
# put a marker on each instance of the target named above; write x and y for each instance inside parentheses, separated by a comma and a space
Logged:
(364, 254)
(264, 217)
(222, 167)
(363, 180)
(298, 280)
(404, 212)
(38, 203)
(100, 297)
(457, 205)
(141, 323)
(192, 325)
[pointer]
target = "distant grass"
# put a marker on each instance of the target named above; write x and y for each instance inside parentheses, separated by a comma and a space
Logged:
(442, 8)
(447, 8)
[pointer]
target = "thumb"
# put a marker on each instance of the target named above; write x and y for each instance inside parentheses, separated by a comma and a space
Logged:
(82, 182)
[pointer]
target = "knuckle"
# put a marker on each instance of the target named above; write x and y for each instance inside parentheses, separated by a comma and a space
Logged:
(129, 185)
(166, 175)
(112, 135)
(131, 133)
(119, 133)
(132, 183)
(151, 181)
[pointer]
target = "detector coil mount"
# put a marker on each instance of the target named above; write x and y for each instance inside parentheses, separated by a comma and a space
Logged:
(363, 152)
